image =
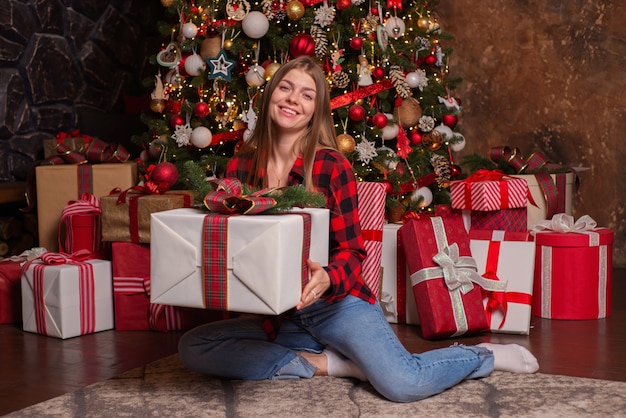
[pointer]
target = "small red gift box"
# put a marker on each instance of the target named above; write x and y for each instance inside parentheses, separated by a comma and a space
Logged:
(79, 228)
(10, 292)
(489, 190)
(439, 259)
(573, 269)
(131, 295)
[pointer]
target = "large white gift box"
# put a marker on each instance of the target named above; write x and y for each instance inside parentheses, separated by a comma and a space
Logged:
(263, 262)
(67, 300)
(396, 298)
(506, 256)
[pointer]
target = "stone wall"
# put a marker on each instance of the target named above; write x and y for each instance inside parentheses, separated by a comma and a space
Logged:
(68, 64)
(548, 75)
(540, 75)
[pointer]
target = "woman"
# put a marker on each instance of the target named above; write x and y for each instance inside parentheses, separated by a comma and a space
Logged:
(337, 328)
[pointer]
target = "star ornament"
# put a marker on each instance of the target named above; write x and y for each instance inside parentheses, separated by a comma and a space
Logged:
(220, 66)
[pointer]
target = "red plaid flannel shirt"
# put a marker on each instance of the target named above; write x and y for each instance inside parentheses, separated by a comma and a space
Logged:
(333, 176)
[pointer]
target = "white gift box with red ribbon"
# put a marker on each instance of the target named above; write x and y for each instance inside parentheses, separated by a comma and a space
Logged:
(506, 256)
(72, 298)
(263, 259)
(396, 298)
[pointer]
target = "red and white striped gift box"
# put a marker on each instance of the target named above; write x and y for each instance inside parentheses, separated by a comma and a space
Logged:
(371, 208)
(489, 190)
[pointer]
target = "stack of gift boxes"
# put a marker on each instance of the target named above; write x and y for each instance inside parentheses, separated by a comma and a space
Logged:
(501, 229)
(121, 257)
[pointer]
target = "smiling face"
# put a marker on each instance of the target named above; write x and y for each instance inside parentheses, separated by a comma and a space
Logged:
(292, 103)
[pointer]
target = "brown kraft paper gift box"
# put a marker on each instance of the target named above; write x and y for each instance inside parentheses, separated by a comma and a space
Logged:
(59, 184)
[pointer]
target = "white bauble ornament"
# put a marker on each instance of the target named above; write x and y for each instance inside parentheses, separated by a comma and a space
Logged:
(189, 30)
(172, 78)
(413, 79)
(391, 130)
(201, 137)
(255, 77)
(394, 26)
(445, 131)
(255, 25)
(458, 146)
(195, 65)
(426, 194)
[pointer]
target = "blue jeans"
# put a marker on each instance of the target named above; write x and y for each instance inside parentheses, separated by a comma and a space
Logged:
(239, 348)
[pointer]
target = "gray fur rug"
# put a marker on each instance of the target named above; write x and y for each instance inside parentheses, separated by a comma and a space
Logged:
(166, 389)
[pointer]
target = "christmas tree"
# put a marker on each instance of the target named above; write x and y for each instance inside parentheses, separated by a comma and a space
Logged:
(387, 66)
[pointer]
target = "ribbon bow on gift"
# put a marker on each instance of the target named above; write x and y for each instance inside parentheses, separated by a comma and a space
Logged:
(228, 199)
(96, 151)
(564, 223)
(458, 272)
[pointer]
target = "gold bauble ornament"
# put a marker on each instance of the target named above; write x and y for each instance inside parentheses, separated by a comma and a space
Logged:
(294, 10)
(346, 143)
(167, 3)
(423, 23)
(408, 113)
(271, 69)
(157, 105)
(228, 44)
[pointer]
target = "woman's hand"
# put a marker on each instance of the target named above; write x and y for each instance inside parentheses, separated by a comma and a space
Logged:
(318, 284)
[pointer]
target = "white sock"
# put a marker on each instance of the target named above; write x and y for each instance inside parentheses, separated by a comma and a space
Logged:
(512, 358)
(340, 366)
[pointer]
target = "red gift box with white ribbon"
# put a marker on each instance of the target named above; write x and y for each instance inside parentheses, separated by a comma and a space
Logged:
(573, 269)
(446, 284)
(67, 295)
(508, 257)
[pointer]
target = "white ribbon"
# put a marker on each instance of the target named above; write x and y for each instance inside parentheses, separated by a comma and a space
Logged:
(27, 255)
(458, 272)
(388, 304)
(563, 223)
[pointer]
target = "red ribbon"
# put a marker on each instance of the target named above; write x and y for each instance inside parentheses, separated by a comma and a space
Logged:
(96, 151)
(228, 199)
(495, 300)
(215, 256)
(372, 235)
(539, 165)
(394, 3)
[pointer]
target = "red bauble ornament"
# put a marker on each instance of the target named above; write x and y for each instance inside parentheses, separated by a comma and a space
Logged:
(378, 73)
(201, 109)
(450, 120)
(430, 60)
(302, 44)
(379, 120)
(356, 113)
(181, 66)
(165, 173)
(356, 43)
(221, 107)
(343, 4)
(242, 67)
(415, 137)
(176, 120)
(374, 10)
(455, 171)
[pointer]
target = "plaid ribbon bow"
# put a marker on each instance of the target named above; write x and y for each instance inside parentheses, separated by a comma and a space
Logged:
(228, 199)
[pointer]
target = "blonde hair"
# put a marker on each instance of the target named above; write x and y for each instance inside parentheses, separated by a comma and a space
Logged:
(320, 131)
